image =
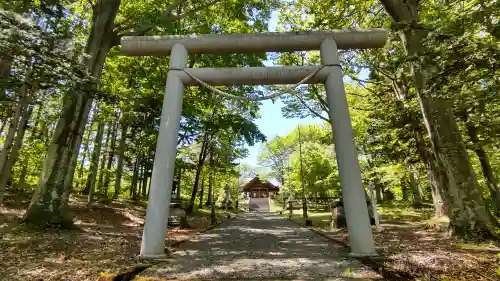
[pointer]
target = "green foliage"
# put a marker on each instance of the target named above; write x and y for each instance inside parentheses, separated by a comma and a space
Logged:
(461, 51)
(282, 156)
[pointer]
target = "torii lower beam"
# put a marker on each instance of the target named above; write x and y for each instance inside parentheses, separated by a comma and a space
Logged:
(360, 234)
(253, 75)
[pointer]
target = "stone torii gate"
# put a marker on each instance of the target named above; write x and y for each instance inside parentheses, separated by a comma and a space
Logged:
(329, 73)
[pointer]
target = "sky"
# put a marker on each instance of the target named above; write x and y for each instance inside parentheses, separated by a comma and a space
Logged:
(272, 123)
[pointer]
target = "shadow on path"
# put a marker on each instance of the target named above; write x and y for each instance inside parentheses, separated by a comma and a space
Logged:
(257, 246)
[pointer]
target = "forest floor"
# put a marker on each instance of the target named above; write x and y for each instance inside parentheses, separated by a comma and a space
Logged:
(412, 247)
(105, 239)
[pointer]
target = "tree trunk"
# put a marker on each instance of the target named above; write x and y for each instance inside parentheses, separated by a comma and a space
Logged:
(200, 204)
(179, 188)
(2, 127)
(378, 191)
(21, 185)
(50, 200)
(13, 126)
(150, 174)
(415, 188)
(491, 181)
(404, 189)
(145, 175)
(68, 181)
(133, 186)
(102, 169)
(140, 177)
(111, 155)
(36, 133)
(94, 164)
(434, 176)
(210, 189)
(199, 168)
(467, 210)
(14, 153)
(213, 216)
(121, 158)
(86, 188)
(84, 156)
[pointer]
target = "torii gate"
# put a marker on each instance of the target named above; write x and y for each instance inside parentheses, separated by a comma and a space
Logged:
(329, 73)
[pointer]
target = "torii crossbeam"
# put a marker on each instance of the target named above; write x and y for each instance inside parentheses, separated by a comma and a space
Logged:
(329, 73)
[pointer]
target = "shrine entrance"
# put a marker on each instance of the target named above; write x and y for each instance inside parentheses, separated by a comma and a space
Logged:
(328, 73)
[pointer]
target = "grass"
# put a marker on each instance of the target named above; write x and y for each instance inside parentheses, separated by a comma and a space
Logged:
(404, 212)
(275, 206)
(319, 219)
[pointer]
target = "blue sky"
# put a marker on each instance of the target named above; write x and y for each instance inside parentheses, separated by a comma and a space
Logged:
(272, 123)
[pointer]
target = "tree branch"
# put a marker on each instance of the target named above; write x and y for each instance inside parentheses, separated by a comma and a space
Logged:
(321, 100)
(172, 7)
(311, 110)
(167, 13)
(193, 11)
(359, 108)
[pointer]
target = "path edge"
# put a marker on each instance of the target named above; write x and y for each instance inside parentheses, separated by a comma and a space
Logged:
(375, 263)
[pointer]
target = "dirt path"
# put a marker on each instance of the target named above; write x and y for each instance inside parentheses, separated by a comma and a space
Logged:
(258, 246)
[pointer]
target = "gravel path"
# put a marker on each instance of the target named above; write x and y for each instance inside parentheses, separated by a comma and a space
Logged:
(260, 246)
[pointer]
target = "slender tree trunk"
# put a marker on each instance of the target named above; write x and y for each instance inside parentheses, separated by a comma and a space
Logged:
(140, 177)
(491, 181)
(68, 181)
(86, 149)
(149, 183)
(179, 182)
(84, 157)
(94, 164)
(467, 210)
(50, 200)
(14, 122)
(200, 204)
(404, 189)
(133, 186)
(121, 158)
(22, 176)
(199, 168)
(210, 183)
(434, 176)
(145, 175)
(111, 154)
(2, 127)
(213, 216)
(36, 133)
(416, 190)
(17, 128)
(378, 191)
(14, 153)
(102, 170)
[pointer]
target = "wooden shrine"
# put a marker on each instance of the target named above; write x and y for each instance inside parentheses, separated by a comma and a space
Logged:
(257, 188)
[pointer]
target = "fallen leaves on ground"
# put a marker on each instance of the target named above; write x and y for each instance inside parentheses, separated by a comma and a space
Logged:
(410, 248)
(105, 239)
